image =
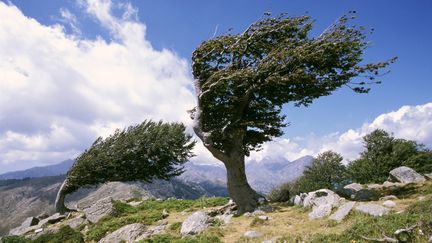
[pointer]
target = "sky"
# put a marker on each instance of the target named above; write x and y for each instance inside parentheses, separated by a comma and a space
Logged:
(74, 70)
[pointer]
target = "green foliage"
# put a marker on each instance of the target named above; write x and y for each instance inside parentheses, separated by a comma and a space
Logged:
(383, 153)
(244, 79)
(14, 239)
(326, 171)
(257, 222)
(66, 235)
(280, 193)
(147, 213)
(150, 150)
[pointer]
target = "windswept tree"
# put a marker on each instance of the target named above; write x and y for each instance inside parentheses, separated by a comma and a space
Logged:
(243, 80)
(148, 151)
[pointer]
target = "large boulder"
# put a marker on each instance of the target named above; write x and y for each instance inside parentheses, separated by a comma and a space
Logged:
(372, 209)
(322, 202)
(342, 212)
(57, 217)
(321, 197)
(127, 234)
(195, 224)
(358, 192)
(405, 174)
(100, 209)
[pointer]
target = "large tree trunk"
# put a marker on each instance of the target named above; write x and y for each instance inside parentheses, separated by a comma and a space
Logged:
(240, 191)
(60, 199)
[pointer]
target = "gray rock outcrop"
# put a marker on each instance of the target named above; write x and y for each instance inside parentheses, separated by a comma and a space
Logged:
(128, 234)
(322, 202)
(342, 212)
(195, 224)
(372, 209)
(99, 210)
(357, 192)
(405, 174)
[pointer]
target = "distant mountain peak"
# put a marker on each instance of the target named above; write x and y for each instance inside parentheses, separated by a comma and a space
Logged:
(39, 171)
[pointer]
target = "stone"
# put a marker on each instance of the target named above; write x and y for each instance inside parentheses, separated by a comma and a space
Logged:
(389, 203)
(57, 217)
(264, 217)
(135, 203)
(20, 230)
(321, 211)
(357, 192)
(30, 221)
(75, 222)
(297, 200)
(258, 212)
(195, 224)
(430, 239)
(389, 197)
(225, 218)
(98, 210)
(421, 198)
(342, 212)
(152, 230)
(405, 174)
(248, 214)
(372, 209)
(428, 176)
(272, 240)
(321, 197)
(252, 234)
(128, 234)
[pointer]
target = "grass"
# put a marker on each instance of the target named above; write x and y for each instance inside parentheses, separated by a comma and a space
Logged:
(202, 238)
(65, 235)
(149, 212)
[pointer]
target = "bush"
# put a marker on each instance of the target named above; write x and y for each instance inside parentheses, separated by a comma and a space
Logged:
(280, 193)
(384, 153)
(65, 235)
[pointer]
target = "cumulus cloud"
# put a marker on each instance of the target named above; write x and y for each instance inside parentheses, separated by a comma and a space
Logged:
(61, 91)
(408, 122)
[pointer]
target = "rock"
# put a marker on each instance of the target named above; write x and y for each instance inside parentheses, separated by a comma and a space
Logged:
(258, 212)
(321, 197)
(405, 175)
(421, 198)
(195, 224)
(152, 230)
(298, 199)
(99, 210)
(321, 211)
(372, 209)
(430, 239)
(272, 240)
(57, 217)
(252, 234)
(225, 218)
(128, 233)
(30, 221)
(20, 230)
(165, 214)
(389, 203)
(342, 212)
(75, 222)
(389, 197)
(358, 192)
(264, 217)
(135, 203)
(428, 176)
(248, 214)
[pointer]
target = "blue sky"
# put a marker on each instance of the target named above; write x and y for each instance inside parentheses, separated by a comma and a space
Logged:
(171, 30)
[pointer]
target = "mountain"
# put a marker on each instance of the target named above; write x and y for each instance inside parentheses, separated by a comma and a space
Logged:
(263, 176)
(50, 170)
(20, 199)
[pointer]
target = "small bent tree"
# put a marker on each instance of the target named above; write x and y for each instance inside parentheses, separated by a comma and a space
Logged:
(243, 80)
(150, 150)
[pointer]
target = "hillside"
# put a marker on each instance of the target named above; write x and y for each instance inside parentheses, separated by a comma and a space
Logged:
(40, 171)
(168, 221)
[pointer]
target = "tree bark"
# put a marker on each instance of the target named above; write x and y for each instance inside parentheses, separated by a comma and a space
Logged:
(240, 191)
(60, 199)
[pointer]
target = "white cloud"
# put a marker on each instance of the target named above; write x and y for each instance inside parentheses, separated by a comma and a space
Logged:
(60, 91)
(408, 122)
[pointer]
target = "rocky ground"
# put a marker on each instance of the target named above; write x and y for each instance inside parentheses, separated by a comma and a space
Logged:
(399, 210)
